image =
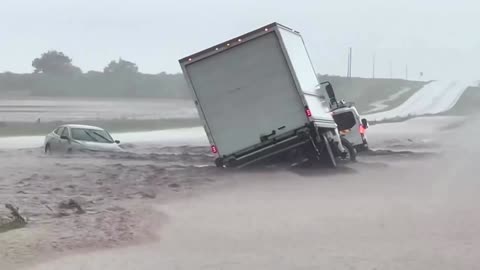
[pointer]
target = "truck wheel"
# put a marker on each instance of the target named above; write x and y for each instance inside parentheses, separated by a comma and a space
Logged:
(219, 163)
(351, 152)
(327, 156)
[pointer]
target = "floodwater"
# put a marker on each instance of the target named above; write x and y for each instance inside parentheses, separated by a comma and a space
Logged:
(184, 136)
(411, 204)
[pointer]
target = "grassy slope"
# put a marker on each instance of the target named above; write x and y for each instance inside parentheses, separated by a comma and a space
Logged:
(468, 103)
(27, 129)
(365, 91)
(359, 90)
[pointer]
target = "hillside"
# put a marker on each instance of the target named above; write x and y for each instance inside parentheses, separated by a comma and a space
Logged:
(468, 103)
(365, 91)
(94, 84)
(362, 91)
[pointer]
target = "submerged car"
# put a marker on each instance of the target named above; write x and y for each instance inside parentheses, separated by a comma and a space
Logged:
(78, 138)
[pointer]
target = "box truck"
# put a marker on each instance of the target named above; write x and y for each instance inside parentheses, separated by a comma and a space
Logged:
(259, 97)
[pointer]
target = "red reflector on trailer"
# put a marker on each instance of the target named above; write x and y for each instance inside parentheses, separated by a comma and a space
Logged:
(214, 149)
(308, 112)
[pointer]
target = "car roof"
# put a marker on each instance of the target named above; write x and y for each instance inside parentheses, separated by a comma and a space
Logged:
(81, 126)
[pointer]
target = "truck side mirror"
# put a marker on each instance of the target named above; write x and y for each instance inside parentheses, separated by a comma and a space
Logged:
(364, 123)
(330, 92)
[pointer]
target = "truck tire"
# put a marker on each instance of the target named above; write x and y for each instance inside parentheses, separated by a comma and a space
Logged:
(219, 163)
(351, 152)
(328, 156)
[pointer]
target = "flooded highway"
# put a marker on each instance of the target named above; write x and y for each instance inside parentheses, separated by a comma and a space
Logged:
(168, 207)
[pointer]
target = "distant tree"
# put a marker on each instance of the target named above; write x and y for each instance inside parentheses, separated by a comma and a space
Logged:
(54, 62)
(121, 67)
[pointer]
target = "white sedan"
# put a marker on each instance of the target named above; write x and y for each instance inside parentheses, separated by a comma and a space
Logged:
(71, 138)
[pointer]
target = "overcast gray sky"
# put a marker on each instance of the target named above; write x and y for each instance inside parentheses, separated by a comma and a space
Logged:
(438, 37)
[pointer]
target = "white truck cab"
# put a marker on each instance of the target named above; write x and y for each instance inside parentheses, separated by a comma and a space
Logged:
(350, 125)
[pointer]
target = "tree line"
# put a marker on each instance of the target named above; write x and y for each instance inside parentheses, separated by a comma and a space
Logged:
(55, 75)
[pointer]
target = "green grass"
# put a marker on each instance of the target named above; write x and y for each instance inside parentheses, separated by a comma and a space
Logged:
(364, 91)
(467, 104)
(28, 129)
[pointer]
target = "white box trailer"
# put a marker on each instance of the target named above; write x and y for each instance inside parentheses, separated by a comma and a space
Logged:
(258, 96)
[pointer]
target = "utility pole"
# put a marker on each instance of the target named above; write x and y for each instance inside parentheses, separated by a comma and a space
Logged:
(349, 67)
(351, 59)
(373, 66)
(406, 72)
(391, 70)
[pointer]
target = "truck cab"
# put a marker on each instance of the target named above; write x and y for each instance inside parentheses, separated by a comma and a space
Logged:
(351, 126)
(349, 123)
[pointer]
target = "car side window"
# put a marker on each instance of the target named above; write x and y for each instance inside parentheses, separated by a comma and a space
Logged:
(59, 131)
(65, 132)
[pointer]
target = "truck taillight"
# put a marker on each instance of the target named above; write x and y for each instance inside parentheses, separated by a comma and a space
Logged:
(362, 130)
(214, 149)
(308, 112)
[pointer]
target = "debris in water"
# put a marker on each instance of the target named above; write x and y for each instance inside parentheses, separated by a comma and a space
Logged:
(174, 185)
(148, 194)
(16, 220)
(71, 204)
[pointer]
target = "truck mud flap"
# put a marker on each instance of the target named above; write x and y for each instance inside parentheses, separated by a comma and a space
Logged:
(327, 155)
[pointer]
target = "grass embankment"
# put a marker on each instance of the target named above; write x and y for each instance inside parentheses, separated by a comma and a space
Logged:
(365, 91)
(114, 126)
(469, 103)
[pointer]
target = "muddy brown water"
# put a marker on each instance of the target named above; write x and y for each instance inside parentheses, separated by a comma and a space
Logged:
(412, 204)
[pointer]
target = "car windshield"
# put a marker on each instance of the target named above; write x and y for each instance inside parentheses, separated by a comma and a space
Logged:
(91, 135)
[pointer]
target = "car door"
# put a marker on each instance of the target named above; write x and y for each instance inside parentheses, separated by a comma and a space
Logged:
(54, 140)
(64, 144)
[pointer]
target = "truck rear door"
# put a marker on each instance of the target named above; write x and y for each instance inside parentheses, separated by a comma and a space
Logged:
(245, 92)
